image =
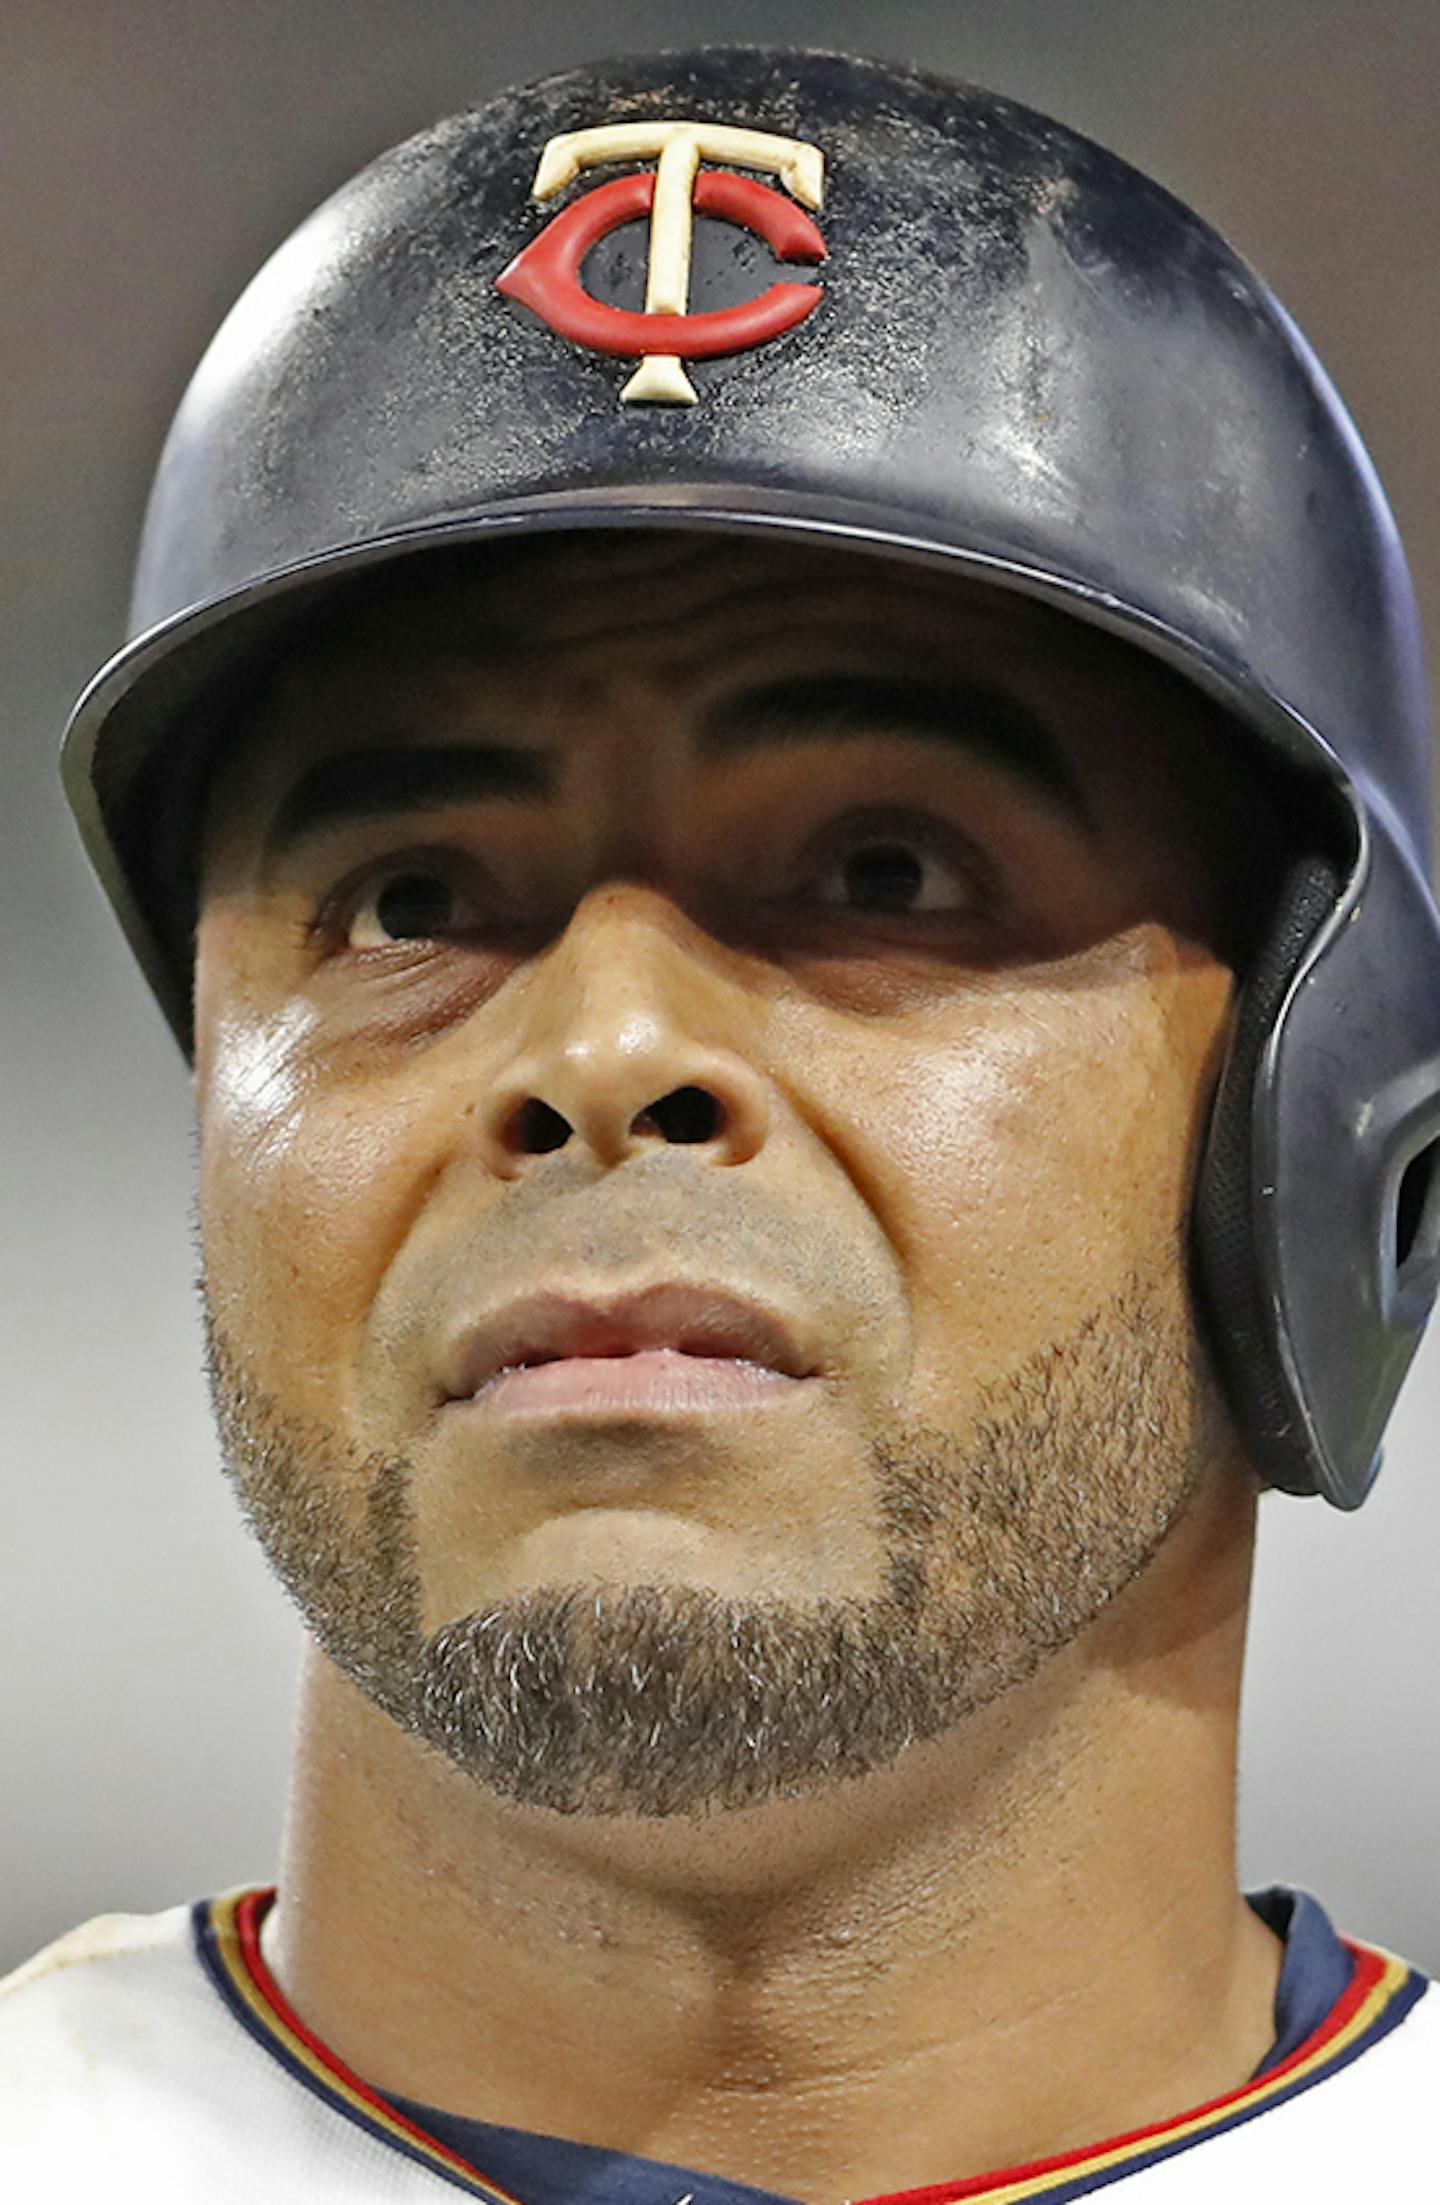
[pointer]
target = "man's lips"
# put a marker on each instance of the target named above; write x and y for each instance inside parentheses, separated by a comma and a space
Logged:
(650, 1380)
(672, 1345)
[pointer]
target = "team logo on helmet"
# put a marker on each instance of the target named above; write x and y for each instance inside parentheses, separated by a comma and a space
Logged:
(546, 275)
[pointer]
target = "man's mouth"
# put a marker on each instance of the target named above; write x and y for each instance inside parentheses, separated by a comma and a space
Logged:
(670, 1348)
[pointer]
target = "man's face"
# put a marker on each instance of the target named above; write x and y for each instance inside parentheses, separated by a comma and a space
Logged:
(919, 899)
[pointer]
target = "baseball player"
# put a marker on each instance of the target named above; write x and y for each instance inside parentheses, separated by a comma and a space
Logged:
(773, 772)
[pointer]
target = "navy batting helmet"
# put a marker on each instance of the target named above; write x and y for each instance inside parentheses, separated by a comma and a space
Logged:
(988, 344)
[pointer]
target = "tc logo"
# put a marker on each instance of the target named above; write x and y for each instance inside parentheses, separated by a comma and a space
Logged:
(546, 275)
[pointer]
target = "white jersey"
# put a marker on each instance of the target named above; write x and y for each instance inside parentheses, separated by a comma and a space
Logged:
(154, 2058)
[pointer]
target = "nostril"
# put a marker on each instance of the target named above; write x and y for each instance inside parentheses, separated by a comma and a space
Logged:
(537, 1129)
(689, 1114)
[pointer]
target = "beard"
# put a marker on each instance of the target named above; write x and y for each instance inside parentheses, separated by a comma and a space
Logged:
(1002, 1540)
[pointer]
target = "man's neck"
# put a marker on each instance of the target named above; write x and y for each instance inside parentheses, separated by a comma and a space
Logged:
(1015, 1941)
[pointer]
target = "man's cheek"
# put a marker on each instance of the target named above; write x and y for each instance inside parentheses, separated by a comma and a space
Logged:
(1039, 1166)
(305, 1198)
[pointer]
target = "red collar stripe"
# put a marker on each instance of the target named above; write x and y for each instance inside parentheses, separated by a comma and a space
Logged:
(1381, 1992)
(1369, 2008)
(228, 1931)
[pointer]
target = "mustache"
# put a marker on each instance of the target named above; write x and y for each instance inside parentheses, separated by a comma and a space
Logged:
(607, 1220)
(577, 1219)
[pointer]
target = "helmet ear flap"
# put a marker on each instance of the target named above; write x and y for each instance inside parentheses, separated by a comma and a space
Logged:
(1234, 1284)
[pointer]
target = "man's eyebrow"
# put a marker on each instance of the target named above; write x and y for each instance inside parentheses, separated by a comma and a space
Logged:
(963, 717)
(367, 784)
(967, 718)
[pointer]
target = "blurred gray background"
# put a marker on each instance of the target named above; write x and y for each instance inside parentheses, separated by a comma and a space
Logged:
(152, 153)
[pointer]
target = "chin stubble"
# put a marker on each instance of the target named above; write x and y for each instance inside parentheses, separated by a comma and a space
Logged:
(1002, 1541)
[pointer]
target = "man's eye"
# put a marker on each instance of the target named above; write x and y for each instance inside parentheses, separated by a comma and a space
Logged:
(413, 903)
(899, 869)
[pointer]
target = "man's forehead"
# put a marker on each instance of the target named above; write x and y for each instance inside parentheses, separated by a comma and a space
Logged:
(567, 591)
(543, 653)
(539, 644)
(490, 653)
(548, 617)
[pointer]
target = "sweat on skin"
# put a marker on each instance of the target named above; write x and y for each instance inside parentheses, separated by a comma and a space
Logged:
(862, 1760)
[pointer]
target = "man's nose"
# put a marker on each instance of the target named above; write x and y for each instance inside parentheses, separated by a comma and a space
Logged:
(613, 1056)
